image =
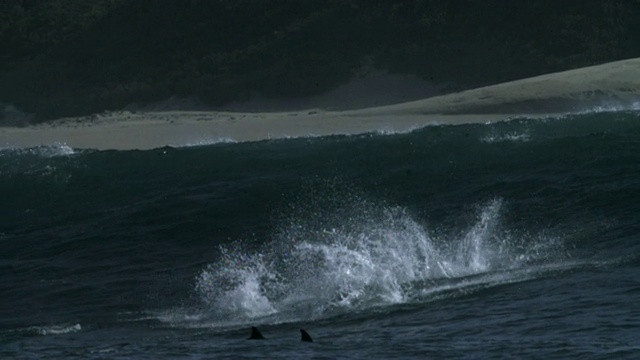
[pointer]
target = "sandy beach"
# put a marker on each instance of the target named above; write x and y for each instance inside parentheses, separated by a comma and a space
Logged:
(614, 85)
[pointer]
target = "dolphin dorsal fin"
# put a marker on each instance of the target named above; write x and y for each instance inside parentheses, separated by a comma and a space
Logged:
(255, 334)
(305, 337)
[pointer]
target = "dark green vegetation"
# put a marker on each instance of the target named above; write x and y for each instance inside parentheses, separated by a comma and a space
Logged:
(73, 57)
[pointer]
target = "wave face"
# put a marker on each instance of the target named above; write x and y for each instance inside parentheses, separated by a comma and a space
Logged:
(518, 237)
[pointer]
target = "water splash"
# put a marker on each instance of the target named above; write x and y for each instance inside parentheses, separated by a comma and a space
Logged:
(236, 286)
(373, 256)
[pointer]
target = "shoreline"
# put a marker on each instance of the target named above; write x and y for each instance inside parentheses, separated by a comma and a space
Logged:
(145, 131)
(615, 85)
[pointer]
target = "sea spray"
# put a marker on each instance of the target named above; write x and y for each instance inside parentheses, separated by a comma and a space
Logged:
(236, 285)
(375, 256)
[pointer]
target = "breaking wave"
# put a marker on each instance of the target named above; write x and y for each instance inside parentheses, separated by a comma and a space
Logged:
(48, 151)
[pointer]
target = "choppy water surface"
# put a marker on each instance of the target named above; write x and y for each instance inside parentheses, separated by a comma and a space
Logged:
(515, 239)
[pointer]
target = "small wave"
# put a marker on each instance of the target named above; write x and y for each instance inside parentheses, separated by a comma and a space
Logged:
(205, 142)
(612, 107)
(45, 162)
(53, 329)
(47, 151)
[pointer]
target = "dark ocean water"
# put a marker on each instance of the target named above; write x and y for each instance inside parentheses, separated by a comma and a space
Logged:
(518, 239)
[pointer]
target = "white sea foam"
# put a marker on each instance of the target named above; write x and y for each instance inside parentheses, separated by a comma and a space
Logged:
(398, 131)
(374, 256)
(511, 136)
(55, 329)
(612, 106)
(205, 142)
(56, 149)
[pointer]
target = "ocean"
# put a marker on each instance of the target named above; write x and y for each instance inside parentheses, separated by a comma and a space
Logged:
(517, 239)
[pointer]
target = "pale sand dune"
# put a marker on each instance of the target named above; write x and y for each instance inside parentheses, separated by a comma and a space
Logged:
(614, 84)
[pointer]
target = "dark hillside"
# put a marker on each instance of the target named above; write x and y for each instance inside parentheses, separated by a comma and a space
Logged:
(74, 57)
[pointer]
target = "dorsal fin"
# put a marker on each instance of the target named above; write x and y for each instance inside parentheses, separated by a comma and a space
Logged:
(255, 334)
(305, 337)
